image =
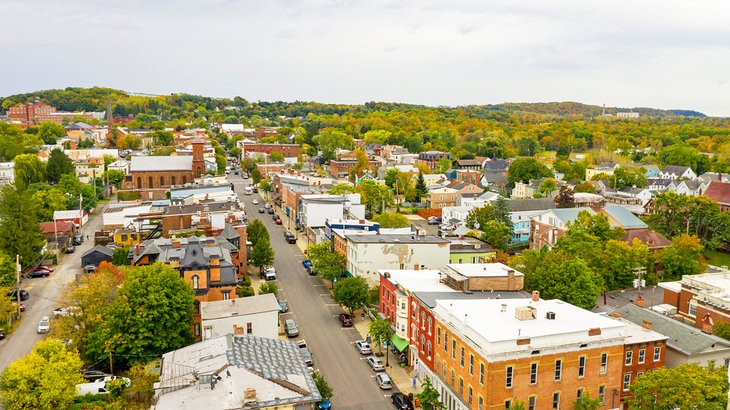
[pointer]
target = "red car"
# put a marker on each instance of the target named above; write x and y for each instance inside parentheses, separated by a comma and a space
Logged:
(277, 221)
(345, 320)
(46, 268)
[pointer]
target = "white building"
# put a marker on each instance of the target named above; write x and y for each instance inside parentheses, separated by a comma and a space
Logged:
(676, 171)
(251, 316)
(124, 216)
(7, 173)
(366, 254)
(314, 209)
(119, 165)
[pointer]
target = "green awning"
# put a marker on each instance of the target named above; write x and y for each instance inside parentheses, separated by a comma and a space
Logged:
(347, 274)
(398, 342)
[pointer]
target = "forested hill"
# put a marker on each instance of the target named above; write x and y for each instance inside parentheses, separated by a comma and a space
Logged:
(185, 105)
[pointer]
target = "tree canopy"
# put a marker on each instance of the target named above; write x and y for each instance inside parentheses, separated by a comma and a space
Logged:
(688, 386)
(351, 293)
(391, 220)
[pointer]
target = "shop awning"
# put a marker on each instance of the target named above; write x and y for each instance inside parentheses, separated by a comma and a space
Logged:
(347, 274)
(398, 342)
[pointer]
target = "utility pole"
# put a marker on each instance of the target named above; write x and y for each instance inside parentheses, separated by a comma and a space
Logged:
(111, 364)
(17, 281)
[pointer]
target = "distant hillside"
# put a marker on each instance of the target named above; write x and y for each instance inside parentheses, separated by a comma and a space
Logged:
(124, 103)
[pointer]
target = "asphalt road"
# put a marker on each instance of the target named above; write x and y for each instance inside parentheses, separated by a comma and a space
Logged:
(44, 295)
(315, 313)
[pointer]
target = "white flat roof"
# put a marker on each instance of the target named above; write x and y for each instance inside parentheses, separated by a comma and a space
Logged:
(482, 269)
(179, 163)
(675, 287)
(425, 280)
(238, 307)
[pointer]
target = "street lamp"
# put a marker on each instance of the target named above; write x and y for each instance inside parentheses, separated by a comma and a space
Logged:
(387, 345)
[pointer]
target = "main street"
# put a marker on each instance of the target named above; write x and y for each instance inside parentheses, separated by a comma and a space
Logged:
(44, 296)
(314, 311)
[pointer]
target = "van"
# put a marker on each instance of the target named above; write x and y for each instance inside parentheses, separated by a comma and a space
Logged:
(98, 386)
(270, 273)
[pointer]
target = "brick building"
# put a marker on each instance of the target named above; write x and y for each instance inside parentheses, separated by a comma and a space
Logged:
(701, 299)
(644, 351)
(342, 167)
(287, 150)
(37, 112)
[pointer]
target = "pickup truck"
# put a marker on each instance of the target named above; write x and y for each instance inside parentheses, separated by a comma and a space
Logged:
(306, 354)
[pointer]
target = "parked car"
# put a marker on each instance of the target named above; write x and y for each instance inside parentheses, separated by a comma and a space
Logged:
(384, 381)
(434, 220)
(306, 354)
(77, 240)
(2, 334)
(44, 325)
(277, 220)
(363, 347)
(44, 267)
(89, 268)
(270, 273)
(401, 402)
(376, 364)
(255, 190)
(98, 386)
(261, 210)
(325, 405)
(94, 375)
(70, 249)
(235, 172)
(270, 211)
(24, 295)
(38, 273)
(307, 264)
(290, 237)
(244, 175)
(291, 329)
(22, 306)
(345, 320)
(283, 307)
(255, 201)
(267, 205)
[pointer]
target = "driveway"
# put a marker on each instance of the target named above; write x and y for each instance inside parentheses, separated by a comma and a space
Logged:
(311, 306)
(44, 296)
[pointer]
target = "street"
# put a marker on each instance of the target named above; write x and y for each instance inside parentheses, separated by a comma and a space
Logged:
(44, 296)
(314, 311)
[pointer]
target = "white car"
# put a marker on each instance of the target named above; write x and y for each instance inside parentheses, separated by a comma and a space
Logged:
(44, 325)
(376, 364)
(255, 202)
(384, 381)
(363, 347)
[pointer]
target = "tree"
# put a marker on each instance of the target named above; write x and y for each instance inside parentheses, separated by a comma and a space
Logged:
(628, 176)
(50, 131)
(58, 164)
(688, 386)
(266, 186)
(329, 140)
(262, 254)
(373, 195)
(391, 220)
(527, 146)
(255, 175)
(256, 230)
(276, 157)
(29, 169)
(496, 234)
(7, 270)
(421, 188)
(220, 161)
(121, 256)
(268, 287)
(429, 396)
(48, 201)
(524, 169)
(162, 137)
(682, 257)
(325, 391)
(587, 403)
(19, 231)
(585, 187)
(721, 329)
(45, 379)
(379, 330)
(351, 293)
(152, 301)
(564, 277)
(443, 165)
(340, 189)
(546, 188)
(129, 142)
(565, 198)
(685, 155)
(114, 177)
(361, 164)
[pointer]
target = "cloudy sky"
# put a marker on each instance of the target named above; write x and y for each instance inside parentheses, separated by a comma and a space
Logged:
(662, 54)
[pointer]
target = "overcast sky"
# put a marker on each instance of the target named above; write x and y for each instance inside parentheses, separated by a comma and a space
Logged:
(662, 54)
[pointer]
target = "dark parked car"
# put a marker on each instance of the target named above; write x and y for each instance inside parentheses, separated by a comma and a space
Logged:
(77, 240)
(400, 401)
(345, 320)
(290, 237)
(2, 334)
(70, 249)
(255, 190)
(39, 273)
(270, 211)
(24, 295)
(94, 375)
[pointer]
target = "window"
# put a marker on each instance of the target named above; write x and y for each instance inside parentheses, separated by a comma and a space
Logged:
(452, 378)
(461, 357)
(480, 403)
(423, 319)
(531, 403)
(468, 397)
(657, 353)
(556, 400)
(196, 282)
(627, 381)
(558, 370)
(629, 357)
(423, 344)
(461, 387)
(604, 363)
(149, 182)
(249, 328)
(444, 371)
(508, 377)
(226, 295)
(692, 308)
(139, 183)
(453, 350)
(642, 354)
(428, 349)
(430, 325)
(197, 329)
(185, 179)
(438, 336)
(471, 364)
(446, 342)
(533, 373)
(438, 364)
(507, 404)
(579, 396)
(173, 180)
(582, 366)
(602, 394)
(481, 373)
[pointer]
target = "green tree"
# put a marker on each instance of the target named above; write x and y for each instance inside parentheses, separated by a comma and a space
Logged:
(121, 256)
(570, 279)
(685, 155)
(29, 169)
(256, 230)
(13, 142)
(7, 270)
(496, 234)
(585, 187)
(373, 195)
(19, 231)
(325, 391)
(268, 287)
(220, 161)
(45, 379)
(262, 254)
(619, 261)
(688, 386)
(429, 396)
(421, 188)
(587, 403)
(340, 189)
(152, 301)
(58, 164)
(628, 176)
(380, 332)
(114, 177)
(276, 157)
(527, 147)
(351, 293)
(391, 220)
(443, 165)
(50, 131)
(546, 188)
(265, 185)
(329, 140)
(48, 201)
(524, 169)
(162, 137)
(478, 217)
(682, 257)
(722, 330)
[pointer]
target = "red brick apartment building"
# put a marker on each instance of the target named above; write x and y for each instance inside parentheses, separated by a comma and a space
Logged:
(287, 150)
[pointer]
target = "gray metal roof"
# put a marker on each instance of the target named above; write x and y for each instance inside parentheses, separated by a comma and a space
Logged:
(682, 337)
(523, 205)
(396, 238)
(430, 298)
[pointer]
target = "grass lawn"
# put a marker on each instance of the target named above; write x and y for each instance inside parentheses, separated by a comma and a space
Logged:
(717, 258)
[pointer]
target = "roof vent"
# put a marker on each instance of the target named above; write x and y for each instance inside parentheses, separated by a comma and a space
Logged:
(503, 307)
(550, 316)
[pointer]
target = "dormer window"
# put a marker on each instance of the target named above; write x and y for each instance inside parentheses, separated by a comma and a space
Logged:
(196, 281)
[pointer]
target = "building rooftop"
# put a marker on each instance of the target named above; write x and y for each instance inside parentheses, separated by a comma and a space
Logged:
(239, 306)
(480, 270)
(524, 205)
(623, 217)
(712, 288)
(181, 163)
(397, 238)
(425, 280)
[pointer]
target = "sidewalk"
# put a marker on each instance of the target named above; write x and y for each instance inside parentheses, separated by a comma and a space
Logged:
(402, 378)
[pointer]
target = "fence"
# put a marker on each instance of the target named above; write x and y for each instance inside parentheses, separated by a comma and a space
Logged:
(427, 213)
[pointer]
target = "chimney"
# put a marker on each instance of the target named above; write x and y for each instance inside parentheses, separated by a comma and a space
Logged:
(639, 301)
(175, 244)
(416, 266)
(510, 279)
(647, 325)
(136, 249)
(535, 296)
